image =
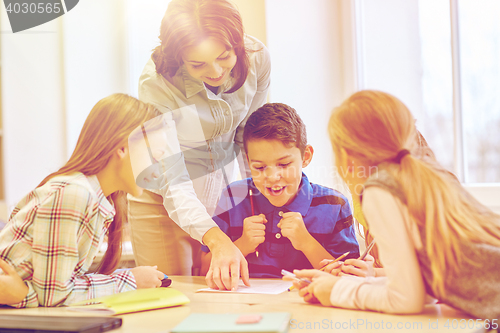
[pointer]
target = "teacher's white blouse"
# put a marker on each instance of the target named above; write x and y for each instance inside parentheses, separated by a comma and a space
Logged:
(206, 132)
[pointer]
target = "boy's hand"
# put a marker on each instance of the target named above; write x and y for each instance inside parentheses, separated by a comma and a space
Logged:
(292, 227)
(254, 233)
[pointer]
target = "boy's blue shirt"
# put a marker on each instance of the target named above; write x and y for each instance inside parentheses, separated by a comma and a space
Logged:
(326, 214)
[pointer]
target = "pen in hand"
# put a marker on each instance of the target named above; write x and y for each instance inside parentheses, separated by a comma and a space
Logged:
(334, 260)
(253, 214)
(368, 248)
(361, 257)
(287, 273)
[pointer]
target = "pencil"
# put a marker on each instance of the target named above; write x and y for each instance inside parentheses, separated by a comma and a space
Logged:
(253, 213)
(368, 248)
(285, 272)
(251, 202)
(335, 260)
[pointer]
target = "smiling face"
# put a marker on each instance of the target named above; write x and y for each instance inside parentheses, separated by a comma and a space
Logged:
(277, 169)
(210, 62)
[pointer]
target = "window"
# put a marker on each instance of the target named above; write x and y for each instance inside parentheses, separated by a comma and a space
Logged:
(441, 58)
(477, 72)
(479, 42)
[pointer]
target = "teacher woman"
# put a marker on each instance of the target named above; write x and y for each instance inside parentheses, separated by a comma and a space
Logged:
(207, 77)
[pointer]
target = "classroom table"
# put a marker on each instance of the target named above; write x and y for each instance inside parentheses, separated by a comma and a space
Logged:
(305, 317)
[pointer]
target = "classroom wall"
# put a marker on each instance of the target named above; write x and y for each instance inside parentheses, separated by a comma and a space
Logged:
(32, 105)
(392, 64)
(144, 20)
(308, 73)
(51, 77)
(94, 42)
(254, 15)
(53, 74)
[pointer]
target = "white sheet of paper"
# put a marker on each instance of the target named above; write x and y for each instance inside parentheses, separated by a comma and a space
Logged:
(258, 286)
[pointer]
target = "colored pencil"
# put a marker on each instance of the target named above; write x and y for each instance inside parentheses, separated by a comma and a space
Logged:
(334, 260)
(253, 214)
(368, 248)
(285, 272)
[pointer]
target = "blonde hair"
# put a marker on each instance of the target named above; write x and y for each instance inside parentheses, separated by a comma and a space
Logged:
(362, 227)
(106, 128)
(373, 126)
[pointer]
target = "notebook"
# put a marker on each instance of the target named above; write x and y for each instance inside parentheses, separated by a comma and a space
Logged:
(133, 301)
(270, 322)
(69, 324)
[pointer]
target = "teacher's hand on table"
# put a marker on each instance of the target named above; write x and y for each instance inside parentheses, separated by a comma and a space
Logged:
(12, 288)
(227, 262)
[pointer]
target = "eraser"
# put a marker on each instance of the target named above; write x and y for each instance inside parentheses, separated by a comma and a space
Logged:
(249, 319)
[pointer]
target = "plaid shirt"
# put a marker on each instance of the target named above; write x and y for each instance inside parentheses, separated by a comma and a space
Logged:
(209, 131)
(52, 237)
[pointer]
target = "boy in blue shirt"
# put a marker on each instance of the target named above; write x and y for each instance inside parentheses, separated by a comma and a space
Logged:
(277, 218)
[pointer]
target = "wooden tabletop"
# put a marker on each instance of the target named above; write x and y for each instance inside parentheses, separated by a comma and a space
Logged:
(305, 317)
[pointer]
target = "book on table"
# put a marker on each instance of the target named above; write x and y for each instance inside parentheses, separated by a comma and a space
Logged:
(133, 301)
(266, 322)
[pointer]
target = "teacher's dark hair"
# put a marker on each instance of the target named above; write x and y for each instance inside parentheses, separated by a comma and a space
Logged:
(188, 22)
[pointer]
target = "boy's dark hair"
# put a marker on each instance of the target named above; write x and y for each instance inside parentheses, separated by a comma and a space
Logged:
(276, 121)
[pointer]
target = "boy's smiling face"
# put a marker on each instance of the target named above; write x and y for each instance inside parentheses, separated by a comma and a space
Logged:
(277, 169)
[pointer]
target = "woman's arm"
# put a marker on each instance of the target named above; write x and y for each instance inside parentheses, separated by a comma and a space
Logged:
(180, 199)
(184, 207)
(225, 255)
(402, 290)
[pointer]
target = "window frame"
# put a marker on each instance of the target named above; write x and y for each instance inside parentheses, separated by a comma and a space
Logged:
(486, 193)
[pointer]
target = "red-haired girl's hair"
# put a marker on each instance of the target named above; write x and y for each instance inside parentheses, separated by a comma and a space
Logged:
(373, 127)
(188, 22)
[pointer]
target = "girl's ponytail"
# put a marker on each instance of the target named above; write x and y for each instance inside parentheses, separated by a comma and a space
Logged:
(376, 128)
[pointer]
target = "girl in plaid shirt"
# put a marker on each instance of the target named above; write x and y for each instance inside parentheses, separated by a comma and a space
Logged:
(54, 233)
